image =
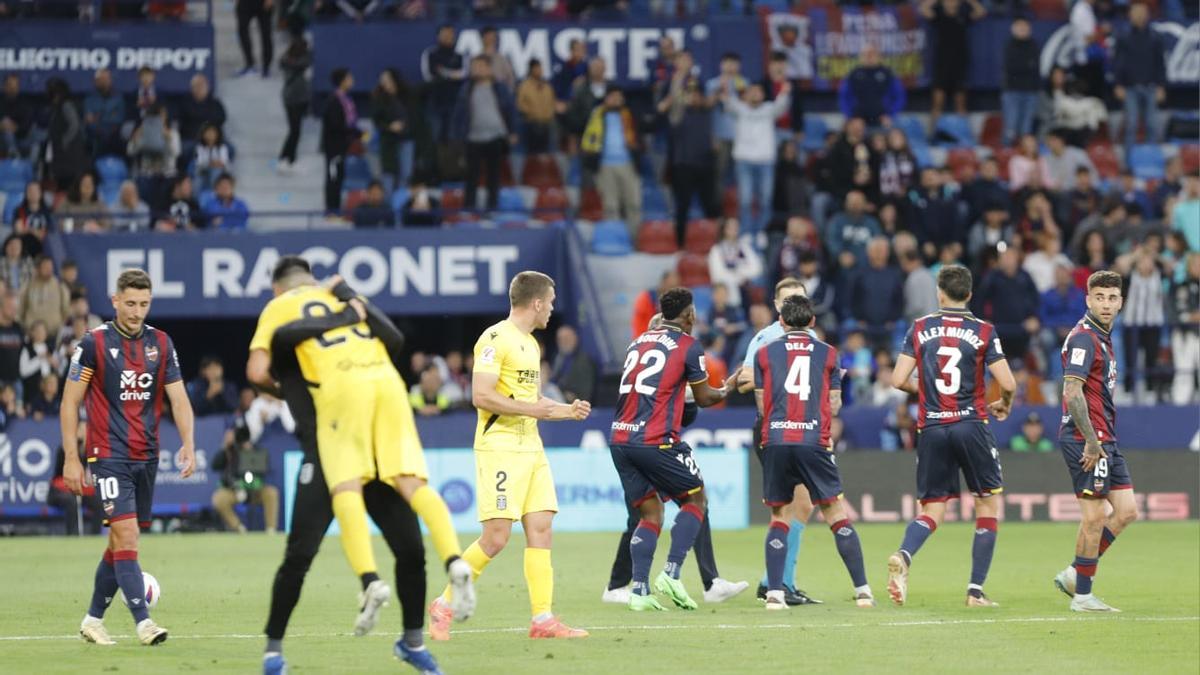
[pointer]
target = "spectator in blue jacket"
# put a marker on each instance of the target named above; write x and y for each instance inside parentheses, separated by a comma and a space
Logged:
(877, 295)
(484, 116)
(1140, 72)
(850, 230)
(103, 115)
(872, 91)
(225, 211)
(1009, 299)
(1061, 308)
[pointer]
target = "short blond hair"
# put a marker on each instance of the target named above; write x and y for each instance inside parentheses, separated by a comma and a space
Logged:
(528, 286)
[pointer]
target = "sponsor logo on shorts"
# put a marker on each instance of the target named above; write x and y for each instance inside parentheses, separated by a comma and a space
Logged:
(787, 425)
(946, 414)
(501, 502)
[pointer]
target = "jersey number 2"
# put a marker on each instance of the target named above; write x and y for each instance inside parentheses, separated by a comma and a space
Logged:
(798, 380)
(951, 379)
(653, 361)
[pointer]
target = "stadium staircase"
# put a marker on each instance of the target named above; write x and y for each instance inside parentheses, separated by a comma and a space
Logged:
(257, 126)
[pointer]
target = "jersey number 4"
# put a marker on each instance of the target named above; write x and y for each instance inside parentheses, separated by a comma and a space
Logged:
(654, 361)
(951, 376)
(798, 381)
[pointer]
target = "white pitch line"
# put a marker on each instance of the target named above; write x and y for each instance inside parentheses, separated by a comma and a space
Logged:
(722, 626)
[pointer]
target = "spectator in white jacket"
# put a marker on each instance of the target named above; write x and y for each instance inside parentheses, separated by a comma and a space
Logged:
(734, 262)
(265, 410)
(754, 149)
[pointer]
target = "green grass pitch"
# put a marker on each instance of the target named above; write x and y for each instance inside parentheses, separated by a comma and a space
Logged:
(216, 589)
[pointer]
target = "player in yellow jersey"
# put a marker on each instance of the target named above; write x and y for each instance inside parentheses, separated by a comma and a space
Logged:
(512, 476)
(364, 427)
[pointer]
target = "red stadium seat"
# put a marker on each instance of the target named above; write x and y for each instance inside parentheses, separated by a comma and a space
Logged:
(541, 171)
(693, 270)
(1105, 159)
(993, 132)
(1190, 156)
(729, 202)
(700, 237)
(657, 236)
(452, 199)
(1003, 155)
(590, 205)
(960, 160)
(551, 204)
(353, 199)
(1049, 10)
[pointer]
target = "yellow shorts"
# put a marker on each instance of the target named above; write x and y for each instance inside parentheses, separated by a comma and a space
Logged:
(365, 430)
(512, 484)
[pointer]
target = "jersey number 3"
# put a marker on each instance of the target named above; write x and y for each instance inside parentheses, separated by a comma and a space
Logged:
(951, 376)
(654, 361)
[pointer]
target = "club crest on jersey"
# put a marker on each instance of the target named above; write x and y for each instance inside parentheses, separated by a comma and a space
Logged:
(151, 353)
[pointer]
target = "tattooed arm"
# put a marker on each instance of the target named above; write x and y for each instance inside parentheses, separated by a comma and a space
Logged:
(1078, 409)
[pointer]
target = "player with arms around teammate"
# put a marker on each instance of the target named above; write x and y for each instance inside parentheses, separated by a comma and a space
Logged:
(797, 513)
(1088, 439)
(364, 426)
(512, 475)
(121, 372)
(950, 350)
(798, 389)
(647, 451)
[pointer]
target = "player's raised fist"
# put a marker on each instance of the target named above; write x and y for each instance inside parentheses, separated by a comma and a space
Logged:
(580, 410)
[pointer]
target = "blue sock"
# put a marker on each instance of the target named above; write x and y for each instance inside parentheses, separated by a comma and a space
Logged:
(105, 587)
(915, 535)
(641, 548)
(850, 548)
(683, 536)
(129, 578)
(1085, 569)
(793, 552)
(982, 549)
(776, 553)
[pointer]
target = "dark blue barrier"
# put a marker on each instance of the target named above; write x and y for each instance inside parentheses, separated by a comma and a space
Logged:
(40, 50)
(414, 271)
(825, 47)
(28, 451)
(1144, 428)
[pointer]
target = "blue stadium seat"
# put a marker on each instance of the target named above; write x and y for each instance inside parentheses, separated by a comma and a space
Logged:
(11, 201)
(205, 198)
(112, 169)
(611, 238)
(956, 127)
(702, 300)
(510, 218)
(510, 199)
(109, 192)
(14, 174)
(358, 173)
(814, 132)
(914, 129)
(1146, 161)
(399, 197)
(654, 202)
(923, 154)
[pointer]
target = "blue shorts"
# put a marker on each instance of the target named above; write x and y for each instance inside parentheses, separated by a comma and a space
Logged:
(646, 471)
(125, 489)
(1110, 473)
(945, 450)
(786, 466)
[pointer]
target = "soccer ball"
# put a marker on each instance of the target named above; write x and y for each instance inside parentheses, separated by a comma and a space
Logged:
(153, 590)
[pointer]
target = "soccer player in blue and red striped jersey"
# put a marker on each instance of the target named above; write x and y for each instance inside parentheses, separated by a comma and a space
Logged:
(950, 350)
(1088, 439)
(797, 385)
(122, 372)
(647, 451)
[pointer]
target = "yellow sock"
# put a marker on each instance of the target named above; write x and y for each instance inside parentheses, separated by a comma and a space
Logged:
(476, 558)
(428, 504)
(539, 575)
(351, 516)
